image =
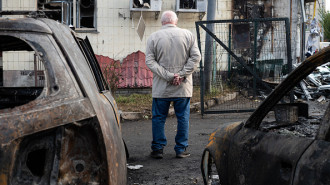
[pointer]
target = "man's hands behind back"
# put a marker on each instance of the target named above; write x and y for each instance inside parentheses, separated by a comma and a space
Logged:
(177, 80)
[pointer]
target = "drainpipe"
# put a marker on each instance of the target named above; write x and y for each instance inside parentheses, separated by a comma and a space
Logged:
(211, 7)
(214, 61)
(290, 19)
(74, 13)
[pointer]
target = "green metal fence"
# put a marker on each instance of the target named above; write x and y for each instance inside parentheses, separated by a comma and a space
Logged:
(243, 60)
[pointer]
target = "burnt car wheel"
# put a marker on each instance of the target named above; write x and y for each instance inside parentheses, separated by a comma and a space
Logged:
(209, 171)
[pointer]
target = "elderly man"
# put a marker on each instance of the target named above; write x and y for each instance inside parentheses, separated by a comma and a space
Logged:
(172, 55)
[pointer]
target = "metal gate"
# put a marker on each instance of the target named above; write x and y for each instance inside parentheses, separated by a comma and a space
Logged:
(243, 61)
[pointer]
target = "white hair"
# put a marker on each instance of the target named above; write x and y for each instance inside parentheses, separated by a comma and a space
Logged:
(169, 17)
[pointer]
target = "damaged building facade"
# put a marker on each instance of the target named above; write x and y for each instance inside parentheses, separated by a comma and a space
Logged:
(300, 14)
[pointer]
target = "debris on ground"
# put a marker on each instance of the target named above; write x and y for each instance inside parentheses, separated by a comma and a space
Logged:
(315, 86)
(134, 167)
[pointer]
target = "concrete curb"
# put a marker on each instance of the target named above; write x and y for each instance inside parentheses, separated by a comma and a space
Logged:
(195, 107)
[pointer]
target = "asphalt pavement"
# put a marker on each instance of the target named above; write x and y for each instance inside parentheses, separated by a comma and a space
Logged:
(144, 170)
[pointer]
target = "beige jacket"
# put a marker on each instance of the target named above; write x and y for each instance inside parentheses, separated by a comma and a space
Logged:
(172, 50)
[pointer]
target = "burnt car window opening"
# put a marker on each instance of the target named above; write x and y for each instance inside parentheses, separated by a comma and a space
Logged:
(76, 13)
(301, 118)
(22, 76)
(297, 119)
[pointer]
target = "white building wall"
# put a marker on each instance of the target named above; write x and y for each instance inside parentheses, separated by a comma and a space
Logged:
(18, 60)
(30, 5)
(117, 36)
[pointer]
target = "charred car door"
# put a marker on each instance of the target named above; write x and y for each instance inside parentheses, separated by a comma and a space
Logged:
(260, 158)
(314, 165)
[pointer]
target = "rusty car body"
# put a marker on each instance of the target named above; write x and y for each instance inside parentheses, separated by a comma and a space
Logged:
(58, 120)
(259, 152)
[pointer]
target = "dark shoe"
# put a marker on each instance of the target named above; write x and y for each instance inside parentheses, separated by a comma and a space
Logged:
(157, 154)
(183, 154)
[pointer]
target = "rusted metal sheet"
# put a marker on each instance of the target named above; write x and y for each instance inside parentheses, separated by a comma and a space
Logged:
(111, 70)
(135, 72)
(69, 132)
(132, 73)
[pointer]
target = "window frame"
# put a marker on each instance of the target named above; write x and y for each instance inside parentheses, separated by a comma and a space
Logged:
(70, 14)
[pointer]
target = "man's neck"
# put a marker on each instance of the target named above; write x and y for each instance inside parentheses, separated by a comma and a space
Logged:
(167, 23)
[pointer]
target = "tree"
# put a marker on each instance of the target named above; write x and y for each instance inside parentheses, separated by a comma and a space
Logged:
(325, 22)
(111, 73)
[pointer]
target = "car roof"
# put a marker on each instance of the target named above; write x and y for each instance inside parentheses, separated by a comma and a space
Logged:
(25, 25)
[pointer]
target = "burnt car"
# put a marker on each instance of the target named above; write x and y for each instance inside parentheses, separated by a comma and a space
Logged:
(59, 122)
(283, 142)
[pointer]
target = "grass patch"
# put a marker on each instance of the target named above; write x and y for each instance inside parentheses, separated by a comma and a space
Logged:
(134, 102)
(143, 102)
(217, 91)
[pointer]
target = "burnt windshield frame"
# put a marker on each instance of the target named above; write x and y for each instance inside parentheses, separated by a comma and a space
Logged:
(86, 48)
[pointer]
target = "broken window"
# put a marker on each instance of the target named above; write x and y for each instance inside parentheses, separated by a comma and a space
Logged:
(141, 3)
(77, 13)
(187, 4)
(192, 6)
(22, 75)
(241, 36)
